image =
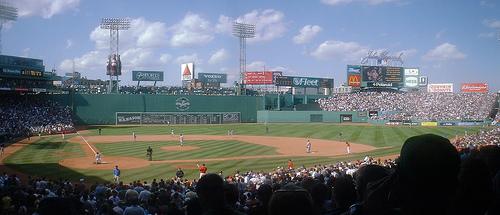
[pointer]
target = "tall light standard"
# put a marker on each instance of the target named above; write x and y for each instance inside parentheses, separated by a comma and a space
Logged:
(7, 13)
(114, 64)
(243, 31)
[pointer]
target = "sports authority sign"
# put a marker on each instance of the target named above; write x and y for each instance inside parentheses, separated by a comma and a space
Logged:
(474, 88)
(354, 80)
(212, 77)
(187, 71)
(440, 88)
(261, 78)
(147, 76)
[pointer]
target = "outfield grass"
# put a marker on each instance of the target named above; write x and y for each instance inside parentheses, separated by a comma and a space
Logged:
(41, 158)
(207, 149)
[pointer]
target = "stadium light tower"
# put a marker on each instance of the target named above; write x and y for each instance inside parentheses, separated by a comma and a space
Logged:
(243, 31)
(114, 65)
(7, 13)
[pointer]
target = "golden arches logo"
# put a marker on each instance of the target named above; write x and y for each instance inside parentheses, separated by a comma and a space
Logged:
(354, 80)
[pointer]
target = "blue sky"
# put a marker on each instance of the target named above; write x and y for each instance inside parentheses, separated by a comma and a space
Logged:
(450, 41)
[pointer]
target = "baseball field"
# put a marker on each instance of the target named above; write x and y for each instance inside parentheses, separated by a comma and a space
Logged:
(251, 147)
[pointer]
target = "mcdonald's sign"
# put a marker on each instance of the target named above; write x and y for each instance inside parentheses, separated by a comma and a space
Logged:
(354, 80)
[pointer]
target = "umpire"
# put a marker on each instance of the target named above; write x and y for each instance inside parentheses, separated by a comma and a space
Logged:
(149, 153)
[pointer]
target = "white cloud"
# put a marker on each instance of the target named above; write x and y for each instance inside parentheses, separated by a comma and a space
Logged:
(138, 49)
(407, 53)
(346, 51)
(188, 58)
(486, 35)
(370, 2)
(225, 24)
(191, 30)
(69, 43)
(444, 52)
(269, 24)
(142, 34)
(440, 34)
(262, 66)
(306, 34)
(486, 4)
(44, 8)
(492, 23)
(26, 52)
(256, 66)
(219, 56)
(165, 58)
(92, 61)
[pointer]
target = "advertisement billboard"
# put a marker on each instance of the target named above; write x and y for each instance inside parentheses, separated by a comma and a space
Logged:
(304, 82)
(260, 78)
(440, 88)
(412, 72)
(430, 124)
(147, 76)
(382, 76)
(212, 77)
(187, 71)
(356, 69)
(422, 81)
(474, 88)
(114, 65)
(354, 80)
(411, 81)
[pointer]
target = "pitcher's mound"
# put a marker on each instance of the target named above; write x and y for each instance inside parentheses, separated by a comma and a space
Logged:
(179, 148)
(108, 163)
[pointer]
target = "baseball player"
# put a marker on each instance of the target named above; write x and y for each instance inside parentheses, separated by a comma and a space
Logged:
(181, 139)
(308, 146)
(172, 131)
(97, 158)
(116, 174)
(62, 134)
(149, 153)
(348, 147)
(2, 149)
(203, 169)
(134, 136)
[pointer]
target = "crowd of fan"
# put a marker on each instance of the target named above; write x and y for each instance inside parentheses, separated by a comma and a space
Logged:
(23, 116)
(488, 137)
(414, 106)
(158, 90)
(445, 183)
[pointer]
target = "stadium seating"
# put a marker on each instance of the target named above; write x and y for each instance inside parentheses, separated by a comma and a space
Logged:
(414, 106)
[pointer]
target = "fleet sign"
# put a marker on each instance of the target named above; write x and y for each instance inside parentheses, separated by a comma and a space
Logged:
(212, 77)
(304, 82)
(411, 81)
(147, 76)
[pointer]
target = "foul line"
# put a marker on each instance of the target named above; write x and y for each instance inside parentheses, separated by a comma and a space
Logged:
(86, 143)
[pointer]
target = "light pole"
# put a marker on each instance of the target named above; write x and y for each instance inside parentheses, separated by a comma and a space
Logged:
(7, 13)
(114, 65)
(243, 31)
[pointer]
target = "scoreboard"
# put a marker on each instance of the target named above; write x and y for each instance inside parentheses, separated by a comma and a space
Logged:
(382, 76)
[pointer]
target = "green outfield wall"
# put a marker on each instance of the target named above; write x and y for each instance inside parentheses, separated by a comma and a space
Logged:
(101, 109)
(311, 116)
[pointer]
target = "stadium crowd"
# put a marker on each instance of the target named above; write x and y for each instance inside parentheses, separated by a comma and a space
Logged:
(489, 137)
(448, 182)
(23, 116)
(414, 106)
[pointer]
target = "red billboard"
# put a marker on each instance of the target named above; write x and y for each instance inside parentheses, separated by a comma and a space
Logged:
(354, 80)
(474, 88)
(260, 78)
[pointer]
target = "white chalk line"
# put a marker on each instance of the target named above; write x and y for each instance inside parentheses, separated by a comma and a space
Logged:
(87, 143)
